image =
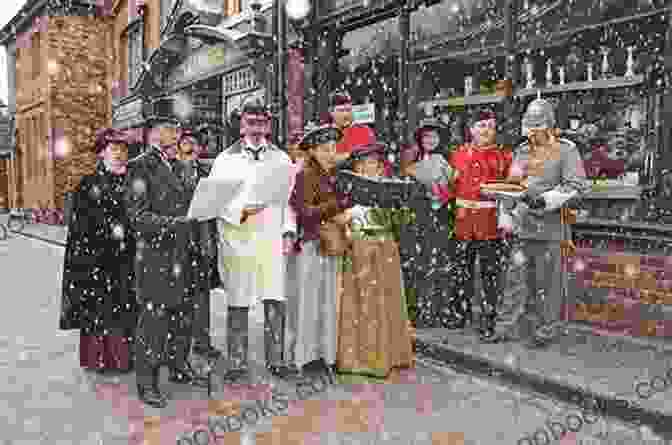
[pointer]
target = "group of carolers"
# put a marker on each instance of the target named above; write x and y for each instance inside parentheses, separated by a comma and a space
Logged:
(138, 272)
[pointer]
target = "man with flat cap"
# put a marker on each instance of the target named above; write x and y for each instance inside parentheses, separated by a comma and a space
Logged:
(250, 236)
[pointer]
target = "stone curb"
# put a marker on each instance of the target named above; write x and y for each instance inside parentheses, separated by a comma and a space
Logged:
(40, 238)
(632, 413)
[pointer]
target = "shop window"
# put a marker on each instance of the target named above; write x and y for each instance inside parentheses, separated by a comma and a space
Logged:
(166, 9)
(134, 52)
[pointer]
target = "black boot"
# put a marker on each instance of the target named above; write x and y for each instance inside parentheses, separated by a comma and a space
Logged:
(274, 339)
(155, 384)
(150, 394)
(237, 343)
(487, 333)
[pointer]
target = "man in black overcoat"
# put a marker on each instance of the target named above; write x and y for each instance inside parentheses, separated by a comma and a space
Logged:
(157, 203)
(190, 170)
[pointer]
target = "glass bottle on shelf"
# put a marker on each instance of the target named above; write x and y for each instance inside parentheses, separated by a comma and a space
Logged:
(630, 63)
(549, 72)
(529, 73)
(605, 67)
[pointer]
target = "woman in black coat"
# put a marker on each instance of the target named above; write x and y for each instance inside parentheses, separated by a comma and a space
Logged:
(98, 295)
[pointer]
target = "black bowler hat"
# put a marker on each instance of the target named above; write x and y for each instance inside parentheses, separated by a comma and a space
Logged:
(319, 136)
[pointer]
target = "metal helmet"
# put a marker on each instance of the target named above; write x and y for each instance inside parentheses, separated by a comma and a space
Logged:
(540, 113)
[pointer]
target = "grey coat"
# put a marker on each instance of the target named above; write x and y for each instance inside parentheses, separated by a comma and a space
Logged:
(562, 172)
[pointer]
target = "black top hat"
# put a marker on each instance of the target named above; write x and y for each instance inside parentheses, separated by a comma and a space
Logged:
(320, 135)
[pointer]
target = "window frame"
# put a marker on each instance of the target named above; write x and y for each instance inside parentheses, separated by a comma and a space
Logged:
(165, 8)
(134, 33)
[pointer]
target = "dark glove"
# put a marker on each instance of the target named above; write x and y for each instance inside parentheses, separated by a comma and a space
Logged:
(534, 202)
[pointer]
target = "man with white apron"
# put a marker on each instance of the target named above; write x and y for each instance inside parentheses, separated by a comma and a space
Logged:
(250, 247)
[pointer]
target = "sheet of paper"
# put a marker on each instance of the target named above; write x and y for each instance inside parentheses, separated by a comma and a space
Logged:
(212, 197)
(271, 184)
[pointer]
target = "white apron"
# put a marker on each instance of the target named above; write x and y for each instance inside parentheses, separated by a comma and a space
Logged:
(250, 260)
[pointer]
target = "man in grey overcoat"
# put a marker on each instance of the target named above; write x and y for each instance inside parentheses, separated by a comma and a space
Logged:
(554, 172)
(157, 202)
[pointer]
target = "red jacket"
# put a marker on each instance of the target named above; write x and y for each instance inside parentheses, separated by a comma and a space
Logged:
(475, 216)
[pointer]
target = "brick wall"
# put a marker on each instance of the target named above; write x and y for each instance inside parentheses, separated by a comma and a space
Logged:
(79, 95)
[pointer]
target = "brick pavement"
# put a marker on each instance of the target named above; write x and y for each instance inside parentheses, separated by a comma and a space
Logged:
(50, 400)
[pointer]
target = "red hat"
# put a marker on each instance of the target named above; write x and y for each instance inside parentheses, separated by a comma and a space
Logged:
(339, 98)
(108, 136)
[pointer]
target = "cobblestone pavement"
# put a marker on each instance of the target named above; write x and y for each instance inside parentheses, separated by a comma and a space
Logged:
(46, 399)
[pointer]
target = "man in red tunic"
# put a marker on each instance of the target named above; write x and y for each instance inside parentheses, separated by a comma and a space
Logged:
(476, 228)
(340, 115)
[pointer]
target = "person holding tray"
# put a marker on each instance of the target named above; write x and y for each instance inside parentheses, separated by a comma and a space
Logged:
(251, 234)
(552, 171)
(373, 334)
(476, 227)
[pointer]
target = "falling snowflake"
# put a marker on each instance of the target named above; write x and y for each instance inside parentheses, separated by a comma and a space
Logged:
(297, 9)
(518, 258)
(183, 107)
(118, 232)
(53, 68)
(139, 186)
(62, 148)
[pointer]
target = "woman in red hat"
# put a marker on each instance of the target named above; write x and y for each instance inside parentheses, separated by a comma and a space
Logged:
(98, 266)
(425, 246)
(373, 334)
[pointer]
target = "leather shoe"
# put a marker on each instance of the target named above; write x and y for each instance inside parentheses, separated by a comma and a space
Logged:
(188, 376)
(151, 396)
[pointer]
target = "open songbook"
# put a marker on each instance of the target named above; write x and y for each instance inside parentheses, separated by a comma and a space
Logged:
(212, 197)
(270, 184)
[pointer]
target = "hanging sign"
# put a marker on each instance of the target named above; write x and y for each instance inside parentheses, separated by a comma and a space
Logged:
(364, 114)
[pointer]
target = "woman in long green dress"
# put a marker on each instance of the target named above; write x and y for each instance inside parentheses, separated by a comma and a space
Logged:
(373, 332)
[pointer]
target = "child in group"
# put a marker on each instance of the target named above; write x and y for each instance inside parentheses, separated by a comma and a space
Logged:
(373, 334)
